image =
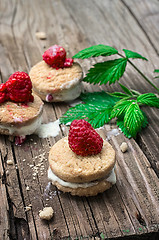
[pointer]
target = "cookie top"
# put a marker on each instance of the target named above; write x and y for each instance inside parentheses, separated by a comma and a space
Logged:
(13, 114)
(49, 80)
(74, 168)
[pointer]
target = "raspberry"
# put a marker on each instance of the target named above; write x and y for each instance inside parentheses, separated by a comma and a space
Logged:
(68, 62)
(55, 56)
(19, 87)
(3, 93)
(83, 139)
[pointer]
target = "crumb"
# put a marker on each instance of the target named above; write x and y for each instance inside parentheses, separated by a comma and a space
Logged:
(124, 147)
(28, 208)
(27, 188)
(7, 173)
(40, 35)
(46, 213)
(10, 162)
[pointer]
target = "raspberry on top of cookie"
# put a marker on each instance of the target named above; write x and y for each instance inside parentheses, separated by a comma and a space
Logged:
(83, 139)
(20, 110)
(55, 56)
(82, 163)
(56, 78)
(18, 88)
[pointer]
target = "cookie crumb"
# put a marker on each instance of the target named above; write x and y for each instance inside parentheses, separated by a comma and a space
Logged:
(40, 35)
(9, 162)
(27, 188)
(28, 208)
(46, 213)
(124, 147)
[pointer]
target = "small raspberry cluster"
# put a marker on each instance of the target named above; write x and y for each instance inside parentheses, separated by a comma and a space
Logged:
(55, 56)
(18, 88)
(83, 139)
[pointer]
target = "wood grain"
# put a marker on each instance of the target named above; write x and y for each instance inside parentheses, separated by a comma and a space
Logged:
(130, 209)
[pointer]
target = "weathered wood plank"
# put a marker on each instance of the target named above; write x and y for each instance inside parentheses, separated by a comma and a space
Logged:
(4, 208)
(146, 14)
(131, 207)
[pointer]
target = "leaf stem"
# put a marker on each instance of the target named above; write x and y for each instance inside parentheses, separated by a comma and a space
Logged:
(148, 80)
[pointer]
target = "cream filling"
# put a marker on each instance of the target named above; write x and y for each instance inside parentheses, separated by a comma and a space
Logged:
(24, 130)
(51, 176)
(70, 92)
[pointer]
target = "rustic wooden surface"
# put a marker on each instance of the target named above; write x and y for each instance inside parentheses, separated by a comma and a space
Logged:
(130, 210)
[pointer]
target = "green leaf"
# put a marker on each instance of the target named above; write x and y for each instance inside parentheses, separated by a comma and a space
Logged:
(108, 71)
(133, 119)
(119, 95)
(156, 70)
(99, 97)
(96, 109)
(131, 54)
(95, 51)
(102, 236)
(120, 108)
(125, 89)
(135, 92)
(149, 99)
(121, 125)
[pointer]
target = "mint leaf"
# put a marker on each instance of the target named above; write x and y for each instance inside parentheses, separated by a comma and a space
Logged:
(133, 119)
(149, 99)
(96, 109)
(95, 51)
(121, 125)
(125, 89)
(131, 54)
(108, 71)
(120, 108)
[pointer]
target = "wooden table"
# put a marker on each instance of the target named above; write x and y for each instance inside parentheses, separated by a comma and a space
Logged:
(130, 209)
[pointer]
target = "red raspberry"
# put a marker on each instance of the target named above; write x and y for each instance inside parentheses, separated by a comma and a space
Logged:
(19, 87)
(3, 93)
(55, 56)
(83, 139)
(68, 62)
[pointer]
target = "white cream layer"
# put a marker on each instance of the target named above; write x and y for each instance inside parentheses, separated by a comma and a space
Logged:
(70, 92)
(24, 130)
(51, 176)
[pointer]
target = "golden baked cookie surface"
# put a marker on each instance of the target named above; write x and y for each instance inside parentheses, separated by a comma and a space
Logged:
(74, 168)
(47, 79)
(14, 113)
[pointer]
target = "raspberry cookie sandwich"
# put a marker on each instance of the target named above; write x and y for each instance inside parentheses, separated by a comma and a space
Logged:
(20, 111)
(82, 163)
(56, 78)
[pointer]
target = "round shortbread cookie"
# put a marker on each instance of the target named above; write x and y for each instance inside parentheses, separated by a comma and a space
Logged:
(17, 116)
(62, 84)
(102, 186)
(70, 167)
